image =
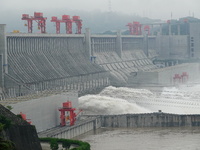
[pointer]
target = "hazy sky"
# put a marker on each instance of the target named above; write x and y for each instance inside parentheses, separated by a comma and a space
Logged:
(158, 9)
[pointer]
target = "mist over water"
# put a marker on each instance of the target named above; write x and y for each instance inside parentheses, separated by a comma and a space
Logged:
(183, 92)
(112, 100)
(123, 100)
(126, 93)
(102, 105)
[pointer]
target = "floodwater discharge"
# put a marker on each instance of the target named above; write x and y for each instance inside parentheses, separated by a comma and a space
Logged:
(112, 100)
(122, 100)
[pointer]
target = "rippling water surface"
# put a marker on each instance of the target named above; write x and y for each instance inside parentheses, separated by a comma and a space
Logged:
(122, 100)
(174, 138)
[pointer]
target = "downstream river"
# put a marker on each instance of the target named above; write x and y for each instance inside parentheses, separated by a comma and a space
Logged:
(173, 138)
(184, 99)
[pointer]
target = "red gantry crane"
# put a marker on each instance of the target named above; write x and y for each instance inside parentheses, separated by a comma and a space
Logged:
(130, 26)
(135, 28)
(78, 22)
(38, 17)
(68, 21)
(55, 19)
(67, 107)
(147, 29)
(65, 19)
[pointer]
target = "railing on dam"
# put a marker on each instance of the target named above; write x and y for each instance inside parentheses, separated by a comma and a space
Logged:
(67, 132)
(157, 119)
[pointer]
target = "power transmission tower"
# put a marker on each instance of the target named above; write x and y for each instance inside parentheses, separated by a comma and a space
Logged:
(109, 6)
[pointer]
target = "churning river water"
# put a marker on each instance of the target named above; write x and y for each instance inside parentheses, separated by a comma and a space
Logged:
(174, 138)
(123, 100)
(112, 100)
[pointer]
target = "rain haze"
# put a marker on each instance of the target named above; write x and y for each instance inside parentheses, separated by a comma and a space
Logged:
(102, 64)
(156, 9)
(98, 15)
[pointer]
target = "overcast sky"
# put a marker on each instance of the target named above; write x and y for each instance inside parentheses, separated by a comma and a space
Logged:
(156, 9)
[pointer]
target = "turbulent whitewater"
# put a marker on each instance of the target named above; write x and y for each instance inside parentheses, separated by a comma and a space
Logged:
(123, 100)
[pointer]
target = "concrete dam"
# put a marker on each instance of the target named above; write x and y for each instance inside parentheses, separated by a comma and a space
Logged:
(85, 62)
(34, 66)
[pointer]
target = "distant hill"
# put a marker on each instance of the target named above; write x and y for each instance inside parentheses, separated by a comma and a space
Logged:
(97, 21)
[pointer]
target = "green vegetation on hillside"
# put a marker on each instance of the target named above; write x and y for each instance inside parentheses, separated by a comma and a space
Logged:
(5, 144)
(66, 143)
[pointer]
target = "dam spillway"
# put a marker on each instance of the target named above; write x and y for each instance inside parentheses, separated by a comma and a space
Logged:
(48, 62)
(86, 62)
(31, 63)
(37, 62)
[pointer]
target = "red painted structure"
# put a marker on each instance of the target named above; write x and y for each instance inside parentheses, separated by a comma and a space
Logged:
(68, 21)
(78, 22)
(55, 19)
(168, 21)
(183, 78)
(65, 19)
(177, 78)
(186, 20)
(147, 29)
(24, 117)
(135, 28)
(67, 107)
(130, 26)
(38, 17)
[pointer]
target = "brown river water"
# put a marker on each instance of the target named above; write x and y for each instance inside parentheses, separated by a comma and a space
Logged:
(173, 138)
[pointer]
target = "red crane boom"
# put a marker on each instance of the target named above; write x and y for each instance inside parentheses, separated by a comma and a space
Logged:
(38, 17)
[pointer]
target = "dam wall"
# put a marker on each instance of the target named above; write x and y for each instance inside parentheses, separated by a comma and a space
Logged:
(180, 46)
(42, 108)
(150, 120)
(73, 131)
(157, 119)
(3, 55)
(82, 62)
(48, 62)
(166, 76)
(123, 55)
(173, 47)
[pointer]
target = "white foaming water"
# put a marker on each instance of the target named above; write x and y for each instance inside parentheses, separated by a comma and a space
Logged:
(122, 100)
(97, 104)
(183, 92)
(126, 93)
(172, 92)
